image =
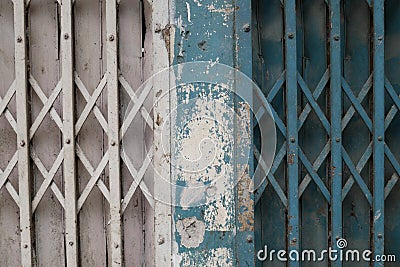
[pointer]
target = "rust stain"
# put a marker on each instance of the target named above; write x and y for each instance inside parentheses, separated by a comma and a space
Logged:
(245, 203)
(291, 158)
(168, 36)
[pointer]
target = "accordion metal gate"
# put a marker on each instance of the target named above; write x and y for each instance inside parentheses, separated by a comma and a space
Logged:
(69, 69)
(330, 71)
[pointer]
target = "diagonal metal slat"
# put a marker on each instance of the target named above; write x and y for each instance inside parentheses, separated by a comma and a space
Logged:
(357, 176)
(48, 178)
(132, 113)
(324, 190)
(316, 94)
(43, 112)
(48, 181)
(316, 165)
(97, 113)
(356, 104)
(137, 178)
(270, 176)
(320, 114)
(95, 175)
(145, 114)
(90, 104)
(4, 175)
(43, 98)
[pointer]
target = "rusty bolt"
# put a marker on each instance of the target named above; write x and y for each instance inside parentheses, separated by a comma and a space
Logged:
(380, 236)
(336, 38)
(246, 27)
(22, 143)
(111, 38)
(71, 243)
(25, 245)
(380, 138)
(66, 36)
(291, 35)
(67, 141)
(292, 139)
(19, 39)
(249, 239)
(337, 139)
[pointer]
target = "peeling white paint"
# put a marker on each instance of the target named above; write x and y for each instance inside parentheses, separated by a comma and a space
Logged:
(198, 2)
(218, 257)
(226, 10)
(188, 12)
(191, 231)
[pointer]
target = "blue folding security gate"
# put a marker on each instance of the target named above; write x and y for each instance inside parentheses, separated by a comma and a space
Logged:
(330, 70)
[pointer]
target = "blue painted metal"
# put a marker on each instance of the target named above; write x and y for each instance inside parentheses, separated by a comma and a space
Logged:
(341, 90)
(216, 31)
(379, 129)
(392, 127)
(293, 236)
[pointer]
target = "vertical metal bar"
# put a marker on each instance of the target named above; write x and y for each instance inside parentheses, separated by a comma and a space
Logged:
(113, 132)
(336, 122)
(243, 61)
(292, 134)
(69, 170)
(162, 212)
(21, 84)
(378, 128)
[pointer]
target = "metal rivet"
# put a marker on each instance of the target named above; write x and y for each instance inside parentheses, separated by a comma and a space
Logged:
(249, 239)
(337, 139)
(294, 240)
(380, 38)
(336, 38)
(111, 38)
(25, 245)
(380, 235)
(161, 240)
(116, 246)
(113, 143)
(337, 237)
(71, 243)
(292, 139)
(22, 143)
(67, 141)
(291, 35)
(246, 27)
(380, 138)
(66, 36)
(19, 39)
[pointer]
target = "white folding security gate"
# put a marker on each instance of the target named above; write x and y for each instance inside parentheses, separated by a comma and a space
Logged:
(68, 70)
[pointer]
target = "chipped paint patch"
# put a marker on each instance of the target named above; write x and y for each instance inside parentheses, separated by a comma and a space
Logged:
(218, 257)
(188, 12)
(204, 151)
(226, 10)
(191, 231)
